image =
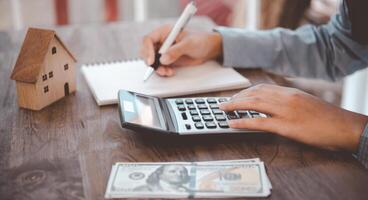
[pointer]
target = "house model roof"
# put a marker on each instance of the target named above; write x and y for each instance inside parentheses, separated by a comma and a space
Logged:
(33, 53)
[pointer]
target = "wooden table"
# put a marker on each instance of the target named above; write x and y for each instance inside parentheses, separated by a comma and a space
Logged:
(69, 147)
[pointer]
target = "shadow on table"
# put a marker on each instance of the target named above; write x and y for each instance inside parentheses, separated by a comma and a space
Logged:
(57, 179)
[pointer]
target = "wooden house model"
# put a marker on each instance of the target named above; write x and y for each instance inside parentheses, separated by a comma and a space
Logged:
(44, 71)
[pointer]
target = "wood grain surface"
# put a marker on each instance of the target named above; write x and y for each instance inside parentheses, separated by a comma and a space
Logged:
(76, 128)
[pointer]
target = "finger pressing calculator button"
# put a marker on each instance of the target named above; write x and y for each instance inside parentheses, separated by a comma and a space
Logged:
(253, 112)
(199, 125)
(243, 114)
(256, 115)
(193, 112)
(214, 106)
(211, 100)
(205, 112)
(181, 108)
(222, 100)
(211, 125)
(187, 126)
(207, 118)
(217, 111)
(184, 116)
(223, 125)
(191, 107)
(231, 115)
(199, 101)
(220, 118)
(179, 102)
(196, 118)
(188, 101)
(202, 106)
(263, 115)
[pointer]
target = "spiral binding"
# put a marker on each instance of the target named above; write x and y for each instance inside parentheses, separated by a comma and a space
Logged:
(102, 63)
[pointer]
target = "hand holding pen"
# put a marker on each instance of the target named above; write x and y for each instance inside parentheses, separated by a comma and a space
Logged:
(190, 48)
(183, 20)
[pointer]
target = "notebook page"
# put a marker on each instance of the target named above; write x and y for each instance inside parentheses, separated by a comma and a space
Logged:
(105, 80)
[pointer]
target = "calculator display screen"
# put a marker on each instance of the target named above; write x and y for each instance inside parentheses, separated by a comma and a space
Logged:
(143, 111)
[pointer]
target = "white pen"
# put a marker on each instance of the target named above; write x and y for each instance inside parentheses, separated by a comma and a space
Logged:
(183, 20)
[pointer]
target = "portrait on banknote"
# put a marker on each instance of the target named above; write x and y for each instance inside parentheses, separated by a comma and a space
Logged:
(166, 178)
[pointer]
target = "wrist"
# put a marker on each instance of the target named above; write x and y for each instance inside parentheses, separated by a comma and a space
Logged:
(217, 49)
(358, 126)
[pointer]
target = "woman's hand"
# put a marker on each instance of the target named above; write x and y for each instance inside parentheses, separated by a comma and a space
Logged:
(298, 116)
(189, 49)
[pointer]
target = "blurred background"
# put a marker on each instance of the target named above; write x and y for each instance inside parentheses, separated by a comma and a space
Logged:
(17, 14)
(252, 14)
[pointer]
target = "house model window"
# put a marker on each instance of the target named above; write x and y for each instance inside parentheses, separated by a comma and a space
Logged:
(44, 77)
(53, 50)
(46, 89)
(66, 67)
(51, 74)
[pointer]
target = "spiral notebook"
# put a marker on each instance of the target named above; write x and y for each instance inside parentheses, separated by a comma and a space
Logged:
(105, 80)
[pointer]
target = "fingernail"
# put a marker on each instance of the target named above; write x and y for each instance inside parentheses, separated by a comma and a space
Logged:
(165, 59)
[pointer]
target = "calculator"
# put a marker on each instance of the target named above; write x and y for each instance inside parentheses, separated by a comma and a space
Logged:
(178, 116)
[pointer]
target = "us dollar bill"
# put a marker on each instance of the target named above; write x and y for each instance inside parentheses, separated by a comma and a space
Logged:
(238, 178)
(253, 160)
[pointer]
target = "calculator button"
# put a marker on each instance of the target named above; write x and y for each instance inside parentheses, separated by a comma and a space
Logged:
(202, 106)
(187, 126)
(256, 115)
(231, 115)
(196, 118)
(222, 100)
(214, 106)
(205, 112)
(217, 111)
(223, 125)
(188, 101)
(181, 108)
(193, 112)
(211, 100)
(207, 118)
(243, 114)
(263, 115)
(199, 101)
(184, 116)
(199, 125)
(179, 102)
(220, 118)
(211, 125)
(191, 107)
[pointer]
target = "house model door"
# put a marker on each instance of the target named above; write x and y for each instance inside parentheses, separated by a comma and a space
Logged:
(66, 89)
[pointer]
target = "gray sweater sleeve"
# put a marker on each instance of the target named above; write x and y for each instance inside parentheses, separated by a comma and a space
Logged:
(327, 52)
(362, 154)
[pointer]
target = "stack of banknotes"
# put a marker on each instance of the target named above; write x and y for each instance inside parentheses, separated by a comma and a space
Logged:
(213, 179)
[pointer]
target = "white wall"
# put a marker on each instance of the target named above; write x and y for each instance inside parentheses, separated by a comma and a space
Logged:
(252, 14)
(355, 92)
(79, 13)
(15, 14)
(5, 15)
